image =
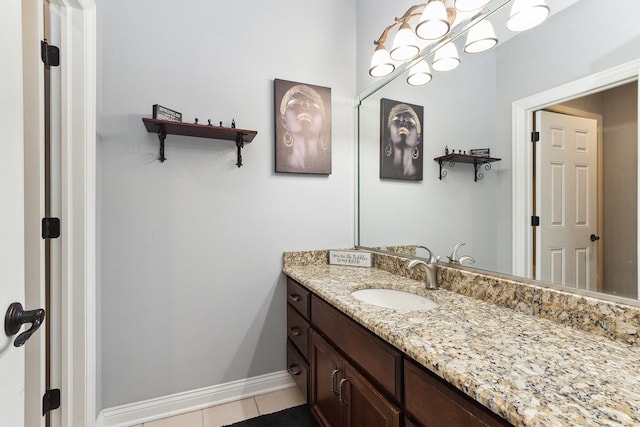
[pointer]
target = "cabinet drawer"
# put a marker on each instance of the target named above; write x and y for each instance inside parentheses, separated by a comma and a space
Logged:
(298, 367)
(298, 331)
(298, 297)
(379, 360)
(434, 402)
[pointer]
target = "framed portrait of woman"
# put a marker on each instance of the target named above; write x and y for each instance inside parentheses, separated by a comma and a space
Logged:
(401, 149)
(303, 128)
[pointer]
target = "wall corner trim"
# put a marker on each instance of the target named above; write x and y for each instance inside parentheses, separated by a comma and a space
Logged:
(180, 403)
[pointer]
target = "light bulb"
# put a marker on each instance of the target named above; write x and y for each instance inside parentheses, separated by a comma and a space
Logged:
(526, 14)
(433, 22)
(446, 58)
(381, 64)
(480, 37)
(419, 74)
(405, 45)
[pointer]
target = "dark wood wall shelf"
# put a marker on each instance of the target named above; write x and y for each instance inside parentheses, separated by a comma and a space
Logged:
(476, 161)
(165, 127)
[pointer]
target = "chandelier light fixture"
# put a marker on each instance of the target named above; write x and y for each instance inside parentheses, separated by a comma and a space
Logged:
(433, 22)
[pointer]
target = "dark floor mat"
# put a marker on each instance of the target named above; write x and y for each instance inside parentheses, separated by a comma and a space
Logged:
(298, 416)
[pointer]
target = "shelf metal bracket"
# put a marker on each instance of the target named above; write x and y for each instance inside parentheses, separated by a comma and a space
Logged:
(240, 145)
(476, 165)
(162, 135)
(443, 172)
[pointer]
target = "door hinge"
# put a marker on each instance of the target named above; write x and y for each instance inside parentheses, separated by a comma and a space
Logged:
(535, 136)
(535, 221)
(50, 54)
(50, 228)
(50, 400)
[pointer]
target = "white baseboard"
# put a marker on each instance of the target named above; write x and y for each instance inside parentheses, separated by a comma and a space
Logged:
(180, 403)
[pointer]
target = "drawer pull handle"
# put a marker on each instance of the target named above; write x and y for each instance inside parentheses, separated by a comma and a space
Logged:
(333, 381)
(295, 331)
(295, 297)
(342, 400)
(294, 369)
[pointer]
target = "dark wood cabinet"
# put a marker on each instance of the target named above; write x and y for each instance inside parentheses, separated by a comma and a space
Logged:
(434, 402)
(351, 377)
(364, 404)
(326, 373)
(341, 395)
(370, 353)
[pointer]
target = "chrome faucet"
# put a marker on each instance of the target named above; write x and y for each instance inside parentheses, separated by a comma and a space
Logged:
(431, 267)
(454, 259)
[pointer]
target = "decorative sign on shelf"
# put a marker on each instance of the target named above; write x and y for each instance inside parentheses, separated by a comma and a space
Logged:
(164, 113)
(351, 258)
(481, 152)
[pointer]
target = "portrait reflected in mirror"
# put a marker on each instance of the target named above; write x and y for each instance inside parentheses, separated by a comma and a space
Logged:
(303, 128)
(401, 152)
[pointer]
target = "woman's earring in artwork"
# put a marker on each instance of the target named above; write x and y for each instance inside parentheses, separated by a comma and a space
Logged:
(287, 140)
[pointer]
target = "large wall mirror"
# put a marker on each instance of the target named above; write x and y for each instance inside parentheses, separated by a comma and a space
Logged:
(581, 64)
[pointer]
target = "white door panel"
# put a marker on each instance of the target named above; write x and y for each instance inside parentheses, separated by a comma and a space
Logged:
(12, 196)
(566, 200)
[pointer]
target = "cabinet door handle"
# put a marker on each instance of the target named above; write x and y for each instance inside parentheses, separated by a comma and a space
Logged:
(294, 369)
(295, 331)
(333, 381)
(342, 400)
(295, 297)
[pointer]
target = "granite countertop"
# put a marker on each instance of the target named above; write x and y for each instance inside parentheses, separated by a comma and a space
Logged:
(530, 370)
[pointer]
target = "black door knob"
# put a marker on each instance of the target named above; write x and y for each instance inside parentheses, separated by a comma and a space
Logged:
(594, 237)
(16, 316)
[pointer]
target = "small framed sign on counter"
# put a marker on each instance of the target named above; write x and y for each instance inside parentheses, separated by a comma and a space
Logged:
(351, 258)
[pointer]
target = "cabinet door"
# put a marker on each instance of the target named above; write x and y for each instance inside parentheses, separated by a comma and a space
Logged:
(433, 402)
(363, 404)
(376, 358)
(326, 372)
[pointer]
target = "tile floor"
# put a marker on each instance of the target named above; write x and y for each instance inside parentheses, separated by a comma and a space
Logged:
(233, 412)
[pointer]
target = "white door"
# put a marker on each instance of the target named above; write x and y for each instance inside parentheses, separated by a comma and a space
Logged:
(566, 200)
(12, 208)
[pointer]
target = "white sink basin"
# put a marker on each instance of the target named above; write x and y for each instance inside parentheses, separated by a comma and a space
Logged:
(391, 298)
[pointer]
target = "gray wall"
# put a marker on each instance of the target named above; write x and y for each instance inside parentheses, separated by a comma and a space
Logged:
(621, 190)
(190, 287)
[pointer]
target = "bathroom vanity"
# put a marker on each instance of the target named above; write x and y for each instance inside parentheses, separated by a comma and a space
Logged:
(466, 362)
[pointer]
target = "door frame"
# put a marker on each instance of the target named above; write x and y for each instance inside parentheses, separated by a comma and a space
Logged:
(77, 22)
(522, 155)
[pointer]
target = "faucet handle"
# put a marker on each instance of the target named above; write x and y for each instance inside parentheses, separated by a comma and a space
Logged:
(454, 254)
(430, 256)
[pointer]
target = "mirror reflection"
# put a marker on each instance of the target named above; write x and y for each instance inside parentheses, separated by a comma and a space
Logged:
(575, 86)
